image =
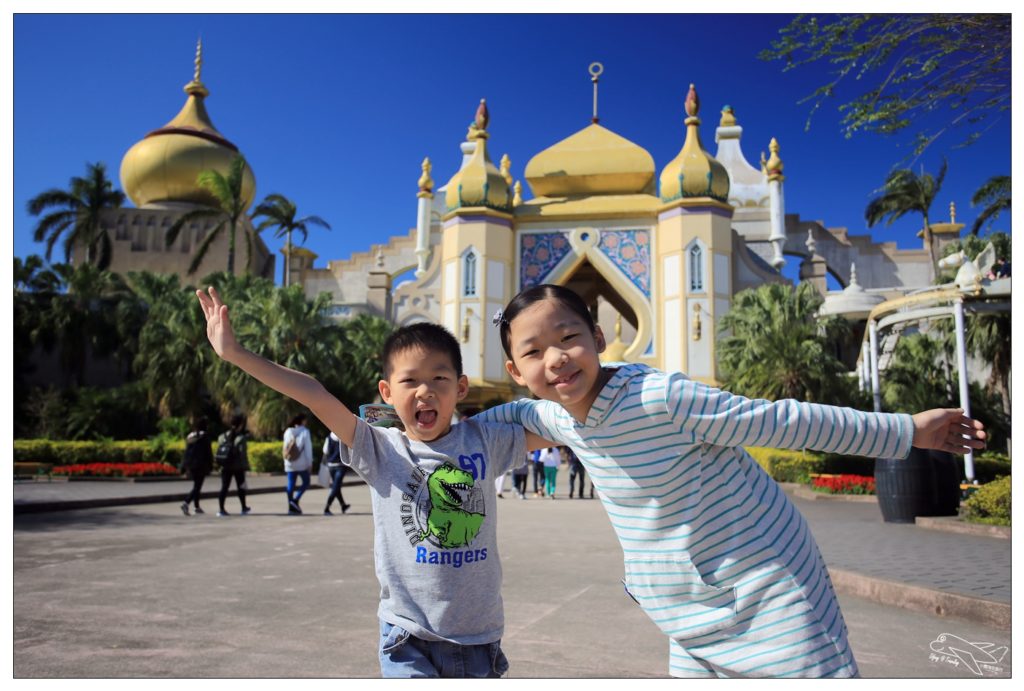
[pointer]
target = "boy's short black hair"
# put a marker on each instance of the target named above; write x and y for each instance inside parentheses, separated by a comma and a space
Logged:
(425, 335)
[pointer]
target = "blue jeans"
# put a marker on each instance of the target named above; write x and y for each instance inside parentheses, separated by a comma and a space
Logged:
(304, 474)
(402, 655)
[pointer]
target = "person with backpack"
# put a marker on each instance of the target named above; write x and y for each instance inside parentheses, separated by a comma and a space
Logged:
(298, 459)
(332, 459)
(233, 457)
(197, 462)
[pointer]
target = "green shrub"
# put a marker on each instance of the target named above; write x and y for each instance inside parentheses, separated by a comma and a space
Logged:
(990, 503)
(265, 457)
(104, 451)
(785, 465)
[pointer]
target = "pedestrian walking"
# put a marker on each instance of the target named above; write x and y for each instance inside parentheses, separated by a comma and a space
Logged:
(233, 457)
(298, 459)
(337, 469)
(576, 471)
(538, 474)
(197, 462)
(520, 475)
(550, 458)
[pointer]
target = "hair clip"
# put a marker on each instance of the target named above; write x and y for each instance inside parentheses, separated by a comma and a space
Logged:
(498, 318)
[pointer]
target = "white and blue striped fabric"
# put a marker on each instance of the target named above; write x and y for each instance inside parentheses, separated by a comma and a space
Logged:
(715, 553)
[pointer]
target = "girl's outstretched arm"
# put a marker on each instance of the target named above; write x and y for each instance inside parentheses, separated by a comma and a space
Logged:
(301, 387)
(948, 429)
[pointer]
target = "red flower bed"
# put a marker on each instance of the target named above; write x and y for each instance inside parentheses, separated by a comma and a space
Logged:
(116, 469)
(844, 484)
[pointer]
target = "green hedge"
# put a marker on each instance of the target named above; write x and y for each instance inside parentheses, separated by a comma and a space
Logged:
(264, 457)
(990, 503)
(785, 465)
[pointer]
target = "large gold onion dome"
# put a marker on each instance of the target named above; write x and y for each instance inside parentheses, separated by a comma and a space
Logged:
(694, 172)
(594, 160)
(164, 165)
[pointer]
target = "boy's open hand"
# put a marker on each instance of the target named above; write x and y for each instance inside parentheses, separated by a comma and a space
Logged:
(218, 326)
(948, 429)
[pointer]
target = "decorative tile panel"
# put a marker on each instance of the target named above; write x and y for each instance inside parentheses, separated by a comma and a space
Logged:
(630, 250)
(539, 253)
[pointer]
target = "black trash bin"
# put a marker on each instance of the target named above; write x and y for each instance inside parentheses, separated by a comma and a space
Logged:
(905, 487)
(947, 484)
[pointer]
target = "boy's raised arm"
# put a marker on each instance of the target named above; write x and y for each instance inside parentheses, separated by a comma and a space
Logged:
(301, 387)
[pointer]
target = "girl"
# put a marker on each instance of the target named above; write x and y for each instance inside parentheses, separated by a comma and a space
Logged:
(714, 551)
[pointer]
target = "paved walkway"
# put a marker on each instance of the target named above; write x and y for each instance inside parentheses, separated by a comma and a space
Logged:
(894, 564)
(142, 591)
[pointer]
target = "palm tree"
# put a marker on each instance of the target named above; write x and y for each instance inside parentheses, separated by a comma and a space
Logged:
(229, 213)
(995, 195)
(776, 348)
(903, 193)
(279, 212)
(78, 218)
(80, 320)
(912, 381)
(173, 355)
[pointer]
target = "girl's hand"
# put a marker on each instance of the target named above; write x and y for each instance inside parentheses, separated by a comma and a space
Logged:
(948, 429)
(218, 326)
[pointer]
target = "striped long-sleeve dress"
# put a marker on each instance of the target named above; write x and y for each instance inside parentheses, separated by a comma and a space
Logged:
(715, 553)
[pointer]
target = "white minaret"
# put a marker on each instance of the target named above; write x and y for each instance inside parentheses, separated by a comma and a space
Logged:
(423, 204)
(773, 169)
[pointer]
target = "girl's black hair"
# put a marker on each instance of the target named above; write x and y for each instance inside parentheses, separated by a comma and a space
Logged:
(238, 422)
(199, 423)
(545, 291)
(297, 420)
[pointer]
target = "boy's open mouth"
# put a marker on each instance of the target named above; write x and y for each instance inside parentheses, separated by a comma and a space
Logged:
(426, 418)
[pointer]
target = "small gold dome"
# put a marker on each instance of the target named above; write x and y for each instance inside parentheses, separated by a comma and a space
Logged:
(594, 160)
(479, 182)
(163, 167)
(694, 172)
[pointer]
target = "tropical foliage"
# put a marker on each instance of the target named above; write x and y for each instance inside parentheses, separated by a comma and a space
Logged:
(994, 197)
(772, 346)
(77, 215)
(279, 212)
(153, 328)
(933, 73)
(905, 192)
(229, 215)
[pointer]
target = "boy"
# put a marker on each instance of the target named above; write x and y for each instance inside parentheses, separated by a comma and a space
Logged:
(432, 492)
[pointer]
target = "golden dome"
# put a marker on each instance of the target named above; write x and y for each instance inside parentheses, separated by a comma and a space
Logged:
(595, 160)
(694, 172)
(479, 182)
(163, 167)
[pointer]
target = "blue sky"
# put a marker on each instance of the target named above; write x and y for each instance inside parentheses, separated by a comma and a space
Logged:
(337, 111)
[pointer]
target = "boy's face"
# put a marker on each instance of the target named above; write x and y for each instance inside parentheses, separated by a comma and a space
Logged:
(424, 388)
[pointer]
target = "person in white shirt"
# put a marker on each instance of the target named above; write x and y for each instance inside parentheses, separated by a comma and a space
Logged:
(298, 463)
(551, 458)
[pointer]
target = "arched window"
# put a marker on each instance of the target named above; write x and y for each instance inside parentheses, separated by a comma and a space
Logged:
(469, 275)
(696, 269)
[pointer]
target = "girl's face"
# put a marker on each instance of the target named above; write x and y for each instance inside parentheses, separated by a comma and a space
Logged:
(555, 355)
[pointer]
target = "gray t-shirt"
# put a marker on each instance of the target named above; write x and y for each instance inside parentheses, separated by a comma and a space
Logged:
(434, 511)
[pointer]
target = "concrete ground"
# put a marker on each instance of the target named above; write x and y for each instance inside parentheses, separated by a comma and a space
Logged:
(143, 591)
